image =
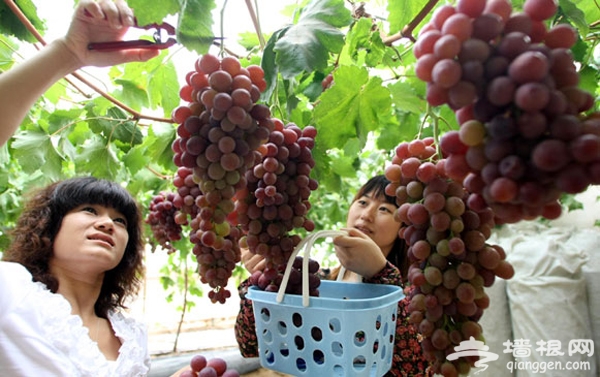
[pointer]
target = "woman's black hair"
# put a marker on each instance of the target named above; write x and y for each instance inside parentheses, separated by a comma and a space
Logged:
(72, 193)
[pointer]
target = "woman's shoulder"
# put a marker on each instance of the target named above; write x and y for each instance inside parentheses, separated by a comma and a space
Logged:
(134, 359)
(15, 280)
(124, 323)
(14, 270)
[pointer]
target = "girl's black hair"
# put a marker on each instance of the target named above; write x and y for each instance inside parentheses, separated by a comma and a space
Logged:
(74, 192)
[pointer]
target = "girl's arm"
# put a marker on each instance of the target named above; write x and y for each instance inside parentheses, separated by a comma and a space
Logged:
(23, 84)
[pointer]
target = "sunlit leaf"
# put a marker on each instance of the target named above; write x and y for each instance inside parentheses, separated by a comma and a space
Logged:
(305, 47)
(352, 107)
(195, 25)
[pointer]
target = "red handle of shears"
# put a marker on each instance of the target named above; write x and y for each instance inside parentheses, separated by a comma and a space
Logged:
(157, 44)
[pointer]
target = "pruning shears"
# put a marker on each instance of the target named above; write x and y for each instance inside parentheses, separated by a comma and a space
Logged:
(156, 44)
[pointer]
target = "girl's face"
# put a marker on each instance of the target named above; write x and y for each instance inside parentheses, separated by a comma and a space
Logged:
(90, 235)
(375, 218)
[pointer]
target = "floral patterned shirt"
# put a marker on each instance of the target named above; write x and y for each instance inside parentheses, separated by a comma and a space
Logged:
(408, 359)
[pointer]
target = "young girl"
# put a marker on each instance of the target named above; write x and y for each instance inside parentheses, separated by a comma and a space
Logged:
(372, 252)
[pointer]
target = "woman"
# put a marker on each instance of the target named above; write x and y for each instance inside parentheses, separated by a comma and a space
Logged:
(76, 256)
(74, 261)
(372, 252)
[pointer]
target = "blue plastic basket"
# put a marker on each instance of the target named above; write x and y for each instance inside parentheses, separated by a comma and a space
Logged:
(347, 331)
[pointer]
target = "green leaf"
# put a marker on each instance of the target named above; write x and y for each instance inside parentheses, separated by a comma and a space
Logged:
(163, 88)
(405, 98)
(194, 30)
(589, 77)
(153, 14)
(135, 159)
(63, 119)
(133, 94)
(352, 107)
(115, 126)
(98, 159)
(343, 166)
(361, 38)
(158, 144)
(7, 48)
(35, 152)
(305, 47)
(11, 25)
(401, 12)
(268, 63)
(404, 128)
(575, 14)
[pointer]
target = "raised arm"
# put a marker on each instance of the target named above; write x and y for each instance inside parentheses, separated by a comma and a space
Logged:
(23, 84)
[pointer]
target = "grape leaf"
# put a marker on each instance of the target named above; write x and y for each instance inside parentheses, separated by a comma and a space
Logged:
(158, 144)
(351, 107)
(405, 98)
(98, 159)
(361, 38)
(135, 159)
(268, 63)
(589, 77)
(11, 25)
(163, 89)
(576, 15)
(306, 45)
(132, 94)
(116, 126)
(35, 152)
(194, 29)
(401, 12)
(7, 48)
(156, 13)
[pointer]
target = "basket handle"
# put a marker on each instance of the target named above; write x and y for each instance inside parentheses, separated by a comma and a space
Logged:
(306, 243)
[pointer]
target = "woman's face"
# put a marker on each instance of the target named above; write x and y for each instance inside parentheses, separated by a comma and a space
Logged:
(375, 218)
(90, 235)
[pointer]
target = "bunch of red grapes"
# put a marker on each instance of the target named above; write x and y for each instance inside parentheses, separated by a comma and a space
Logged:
(161, 218)
(219, 132)
(525, 137)
(200, 366)
(276, 199)
(270, 279)
(451, 261)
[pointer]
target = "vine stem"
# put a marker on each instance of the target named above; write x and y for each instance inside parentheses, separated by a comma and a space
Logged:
(136, 115)
(407, 31)
(253, 15)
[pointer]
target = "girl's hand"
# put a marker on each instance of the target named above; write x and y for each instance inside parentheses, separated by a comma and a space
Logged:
(102, 21)
(253, 262)
(359, 253)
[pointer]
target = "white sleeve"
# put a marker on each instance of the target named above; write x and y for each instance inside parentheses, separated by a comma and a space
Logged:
(14, 278)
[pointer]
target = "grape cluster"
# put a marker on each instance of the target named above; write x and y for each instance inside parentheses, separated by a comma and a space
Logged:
(270, 278)
(200, 366)
(162, 218)
(275, 200)
(524, 138)
(219, 132)
(451, 261)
